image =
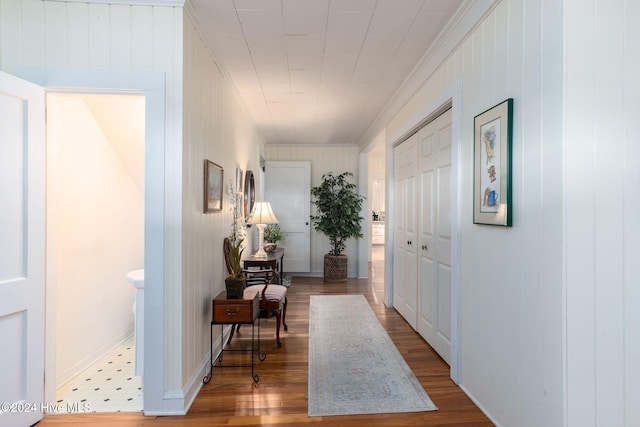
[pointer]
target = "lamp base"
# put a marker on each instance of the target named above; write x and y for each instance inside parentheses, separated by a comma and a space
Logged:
(261, 253)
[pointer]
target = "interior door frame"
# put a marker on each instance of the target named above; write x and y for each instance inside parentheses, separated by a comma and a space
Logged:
(152, 86)
(450, 97)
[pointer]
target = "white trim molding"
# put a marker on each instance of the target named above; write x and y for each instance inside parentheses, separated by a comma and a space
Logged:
(466, 19)
(167, 3)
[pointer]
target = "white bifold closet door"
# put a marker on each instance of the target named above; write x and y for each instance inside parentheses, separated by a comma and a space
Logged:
(422, 261)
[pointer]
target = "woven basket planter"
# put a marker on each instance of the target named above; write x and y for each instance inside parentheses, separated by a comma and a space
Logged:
(335, 268)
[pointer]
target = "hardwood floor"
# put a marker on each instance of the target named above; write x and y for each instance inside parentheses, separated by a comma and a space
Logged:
(281, 397)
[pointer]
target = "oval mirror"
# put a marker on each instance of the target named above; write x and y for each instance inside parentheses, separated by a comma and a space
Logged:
(249, 194)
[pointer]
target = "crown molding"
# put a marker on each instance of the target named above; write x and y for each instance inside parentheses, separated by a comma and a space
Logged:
(169, 3)
(462, 23)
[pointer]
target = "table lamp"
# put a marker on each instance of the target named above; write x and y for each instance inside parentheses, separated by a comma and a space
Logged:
(261, 215)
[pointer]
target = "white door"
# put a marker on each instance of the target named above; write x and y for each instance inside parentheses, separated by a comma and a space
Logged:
(405, 263)
(288, 188)
(22, 249)
(434, 275)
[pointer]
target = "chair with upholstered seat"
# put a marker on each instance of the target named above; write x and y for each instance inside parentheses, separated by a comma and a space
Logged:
(273, 296)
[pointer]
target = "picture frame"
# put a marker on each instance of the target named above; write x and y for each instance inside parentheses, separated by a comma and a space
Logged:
(213, 183)
(493, 131)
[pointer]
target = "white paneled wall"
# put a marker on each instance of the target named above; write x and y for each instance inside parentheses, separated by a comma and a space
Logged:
(323, 158)
(602, 152)
(217, 128)
(79, 43)
(90, 36)
(83, 39)
(548, 319)
(511, 317)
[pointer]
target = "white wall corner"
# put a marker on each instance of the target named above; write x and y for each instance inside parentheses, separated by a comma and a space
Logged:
(364, 243)
(195, 383)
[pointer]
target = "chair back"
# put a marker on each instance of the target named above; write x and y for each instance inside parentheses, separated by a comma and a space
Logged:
(226, 250)
(254, 277)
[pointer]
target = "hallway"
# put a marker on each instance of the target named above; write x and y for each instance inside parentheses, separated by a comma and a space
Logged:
(281, 397)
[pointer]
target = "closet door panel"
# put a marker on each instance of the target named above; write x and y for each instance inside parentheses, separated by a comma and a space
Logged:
(443, 232)
(398, 248)
(399, 281)
(443, 341)
(427, 320)
(434, 279)
(426, 261)
(405, 268)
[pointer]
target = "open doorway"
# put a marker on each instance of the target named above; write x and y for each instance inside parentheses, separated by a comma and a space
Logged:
(95, 235)
(377, 218)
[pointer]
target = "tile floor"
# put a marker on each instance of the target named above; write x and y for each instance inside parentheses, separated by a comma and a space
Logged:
(109, 385)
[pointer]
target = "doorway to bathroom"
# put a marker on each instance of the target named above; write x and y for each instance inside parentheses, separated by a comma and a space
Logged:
(95, 236)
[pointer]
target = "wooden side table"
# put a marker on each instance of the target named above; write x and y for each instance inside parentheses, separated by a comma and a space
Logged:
(273, 261)
(230, 311)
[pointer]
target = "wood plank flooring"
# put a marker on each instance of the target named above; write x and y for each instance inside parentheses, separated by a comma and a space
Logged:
(230, 399)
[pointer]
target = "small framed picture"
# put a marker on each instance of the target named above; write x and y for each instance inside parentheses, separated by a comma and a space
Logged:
(213, 175)
(492, 165)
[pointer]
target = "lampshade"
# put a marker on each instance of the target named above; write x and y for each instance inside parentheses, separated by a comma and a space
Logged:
(262, 214)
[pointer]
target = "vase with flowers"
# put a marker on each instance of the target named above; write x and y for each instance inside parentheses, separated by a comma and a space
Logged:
(236, 281)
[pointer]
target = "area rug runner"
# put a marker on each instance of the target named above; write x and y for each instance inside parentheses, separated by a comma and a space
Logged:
(354, 367)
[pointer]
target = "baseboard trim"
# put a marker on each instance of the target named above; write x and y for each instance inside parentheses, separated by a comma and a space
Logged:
(64, 377)
(479, 405)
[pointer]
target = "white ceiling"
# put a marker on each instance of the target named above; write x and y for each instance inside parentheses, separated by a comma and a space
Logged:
(319, 71)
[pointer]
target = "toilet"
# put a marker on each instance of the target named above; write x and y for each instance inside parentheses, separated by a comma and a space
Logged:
(136, 277)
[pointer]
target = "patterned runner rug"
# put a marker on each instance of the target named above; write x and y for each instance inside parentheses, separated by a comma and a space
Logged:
(354, 367)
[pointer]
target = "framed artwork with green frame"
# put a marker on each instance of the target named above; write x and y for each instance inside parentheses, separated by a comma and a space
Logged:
(493, 130)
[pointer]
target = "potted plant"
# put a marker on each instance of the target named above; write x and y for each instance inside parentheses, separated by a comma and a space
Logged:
(236, 281)
(272, 235)
(338, 208)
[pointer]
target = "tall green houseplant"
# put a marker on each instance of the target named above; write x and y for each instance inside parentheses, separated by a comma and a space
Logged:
(338, 208)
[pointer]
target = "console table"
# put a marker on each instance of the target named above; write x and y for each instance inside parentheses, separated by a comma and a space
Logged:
(231, 311)
(273, 260)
